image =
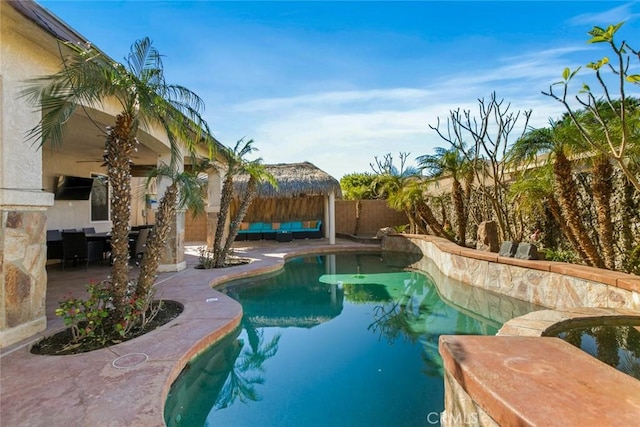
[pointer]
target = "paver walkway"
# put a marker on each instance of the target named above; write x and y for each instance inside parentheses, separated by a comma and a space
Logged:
(126, 384)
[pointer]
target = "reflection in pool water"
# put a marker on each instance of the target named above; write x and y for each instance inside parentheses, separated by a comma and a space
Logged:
(340, 340)
(617, 346)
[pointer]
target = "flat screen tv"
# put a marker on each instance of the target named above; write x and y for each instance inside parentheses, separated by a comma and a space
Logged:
(73, 188)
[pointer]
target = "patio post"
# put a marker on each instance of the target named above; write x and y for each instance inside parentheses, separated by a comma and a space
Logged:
(23, 207)
(332, 218)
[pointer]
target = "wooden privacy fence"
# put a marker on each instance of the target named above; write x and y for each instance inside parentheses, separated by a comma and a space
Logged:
(374, 216)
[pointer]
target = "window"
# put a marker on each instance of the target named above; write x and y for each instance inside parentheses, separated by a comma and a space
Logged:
(99, 198)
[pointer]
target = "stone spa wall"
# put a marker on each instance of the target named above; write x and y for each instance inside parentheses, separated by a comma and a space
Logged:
(519, 377)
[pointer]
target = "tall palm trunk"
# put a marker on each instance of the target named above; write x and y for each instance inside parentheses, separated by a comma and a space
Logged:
(225, 203)
(458, 205)
(427, 214)
(568, 199)
(556, 211)
(156, 241)
(356, 229)
(414, 226)
(629, 210)
(252, 190)
(601, 186)
(443, 213)
(120, 145)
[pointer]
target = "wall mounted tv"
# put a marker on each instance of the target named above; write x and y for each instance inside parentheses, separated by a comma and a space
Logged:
(73, 188)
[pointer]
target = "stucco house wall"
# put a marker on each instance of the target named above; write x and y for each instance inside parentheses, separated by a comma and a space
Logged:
(23, 203)
(28, 49)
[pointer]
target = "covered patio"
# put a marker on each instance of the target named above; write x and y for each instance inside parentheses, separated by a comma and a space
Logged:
(35, 191)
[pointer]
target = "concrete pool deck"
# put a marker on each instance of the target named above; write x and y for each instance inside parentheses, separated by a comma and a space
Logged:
(126, 384)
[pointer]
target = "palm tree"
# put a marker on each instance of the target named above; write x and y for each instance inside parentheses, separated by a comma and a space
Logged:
(357, 186)
(602, 189)
(359, 193)
(187, 190)
(89, 78)
(452, 163)
(413, 195)
(601, 164)
(236, 163)
(532, 191)
(556, 142)
(257, 174)
(404, 191)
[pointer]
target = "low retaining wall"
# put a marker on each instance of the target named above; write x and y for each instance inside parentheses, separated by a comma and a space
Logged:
(547, 283)
(530, 380)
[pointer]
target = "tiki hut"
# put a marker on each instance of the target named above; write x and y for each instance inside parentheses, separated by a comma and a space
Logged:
(304, 193)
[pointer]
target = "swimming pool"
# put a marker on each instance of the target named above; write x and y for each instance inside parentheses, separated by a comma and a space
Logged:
(341, 340)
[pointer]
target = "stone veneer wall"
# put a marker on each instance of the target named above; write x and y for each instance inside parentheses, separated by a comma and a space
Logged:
(23, 277)
(460, 407)
(546, 283)
(551, 284)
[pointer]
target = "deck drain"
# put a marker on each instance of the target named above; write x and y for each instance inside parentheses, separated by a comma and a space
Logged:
(130, 360)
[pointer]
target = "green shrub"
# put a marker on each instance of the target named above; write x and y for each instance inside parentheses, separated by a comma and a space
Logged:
(633, 262)
(561, 255)
(86, 318)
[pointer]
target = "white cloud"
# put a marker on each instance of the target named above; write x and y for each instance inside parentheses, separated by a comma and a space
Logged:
(608, 17)
(341, 131)
(348, 141)
(335, 98)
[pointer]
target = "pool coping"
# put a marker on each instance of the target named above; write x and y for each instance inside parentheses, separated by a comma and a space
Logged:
(532, 381)
(545, 322)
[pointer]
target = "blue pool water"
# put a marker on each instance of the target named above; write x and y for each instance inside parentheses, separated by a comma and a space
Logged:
(333, 340)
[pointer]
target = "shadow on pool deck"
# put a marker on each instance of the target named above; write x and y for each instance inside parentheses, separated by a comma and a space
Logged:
(98, 388)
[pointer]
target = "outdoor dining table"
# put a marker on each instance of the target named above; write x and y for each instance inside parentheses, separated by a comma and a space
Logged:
(105, 239)
(54, 244)
(104, 236)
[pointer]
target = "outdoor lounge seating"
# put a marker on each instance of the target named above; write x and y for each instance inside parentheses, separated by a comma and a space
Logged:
(280, 231)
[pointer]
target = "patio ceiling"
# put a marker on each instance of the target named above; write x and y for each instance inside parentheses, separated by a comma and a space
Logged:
(85, 137)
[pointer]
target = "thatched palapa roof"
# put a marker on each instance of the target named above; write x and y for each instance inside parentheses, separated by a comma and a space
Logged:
(294, 180)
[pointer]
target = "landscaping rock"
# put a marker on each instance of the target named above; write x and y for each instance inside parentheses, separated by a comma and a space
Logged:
(508, 249)
(488, 237)
(384, 232)
(527, 251)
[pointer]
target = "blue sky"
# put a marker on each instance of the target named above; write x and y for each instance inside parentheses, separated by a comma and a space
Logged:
(339, 83)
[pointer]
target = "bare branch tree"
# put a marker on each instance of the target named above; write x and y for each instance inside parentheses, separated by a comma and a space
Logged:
(488, 136)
